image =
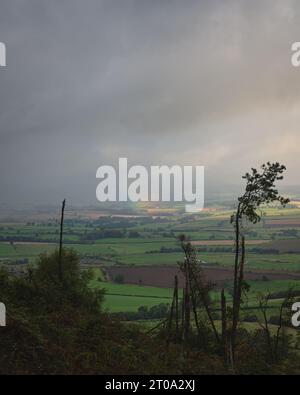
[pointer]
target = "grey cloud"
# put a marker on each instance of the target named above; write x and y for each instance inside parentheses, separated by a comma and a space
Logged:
(207, 82)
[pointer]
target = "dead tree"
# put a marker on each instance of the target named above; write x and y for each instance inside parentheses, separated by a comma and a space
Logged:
(195, 288)
(60, 269)
(202, 292)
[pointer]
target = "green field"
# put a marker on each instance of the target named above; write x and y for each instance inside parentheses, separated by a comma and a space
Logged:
(129, 239)
(137, 253)
(127, 297)
(152, 241)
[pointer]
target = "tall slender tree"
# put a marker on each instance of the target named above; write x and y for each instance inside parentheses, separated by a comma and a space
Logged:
(260, 190)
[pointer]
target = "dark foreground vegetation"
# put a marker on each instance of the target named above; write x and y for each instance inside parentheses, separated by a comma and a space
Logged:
(56, 326)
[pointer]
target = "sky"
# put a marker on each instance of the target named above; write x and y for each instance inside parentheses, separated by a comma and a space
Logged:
(157, 81)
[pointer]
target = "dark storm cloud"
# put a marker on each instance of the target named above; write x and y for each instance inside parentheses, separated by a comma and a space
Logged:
(206, 82)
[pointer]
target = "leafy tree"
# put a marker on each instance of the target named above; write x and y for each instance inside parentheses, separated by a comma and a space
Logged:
(260, 190)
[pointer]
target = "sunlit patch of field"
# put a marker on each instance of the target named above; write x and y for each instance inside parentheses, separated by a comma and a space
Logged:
(295, 203)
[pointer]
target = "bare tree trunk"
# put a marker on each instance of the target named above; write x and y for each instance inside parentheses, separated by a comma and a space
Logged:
(187, 308)
(278, 332)
(236, 259)
(194, 305)
(176, 308)
(230, 352)
(183, 314)
(280, 326)
(268, 335)
(224, 326)
(266, 328)
(235, 281)
(171, 315)
(240, 283)
(60, 271)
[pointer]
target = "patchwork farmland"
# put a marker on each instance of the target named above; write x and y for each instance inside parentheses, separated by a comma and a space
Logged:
(135, 254)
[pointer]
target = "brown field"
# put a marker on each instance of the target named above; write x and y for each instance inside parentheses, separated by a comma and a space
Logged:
(163, 276)
(285, 246)
(295, 222)
(225, 242)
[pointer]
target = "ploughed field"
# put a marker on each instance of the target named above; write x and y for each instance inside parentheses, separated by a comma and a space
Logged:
(163, 276)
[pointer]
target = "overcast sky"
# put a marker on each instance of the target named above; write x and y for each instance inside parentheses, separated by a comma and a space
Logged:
(157, 81)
